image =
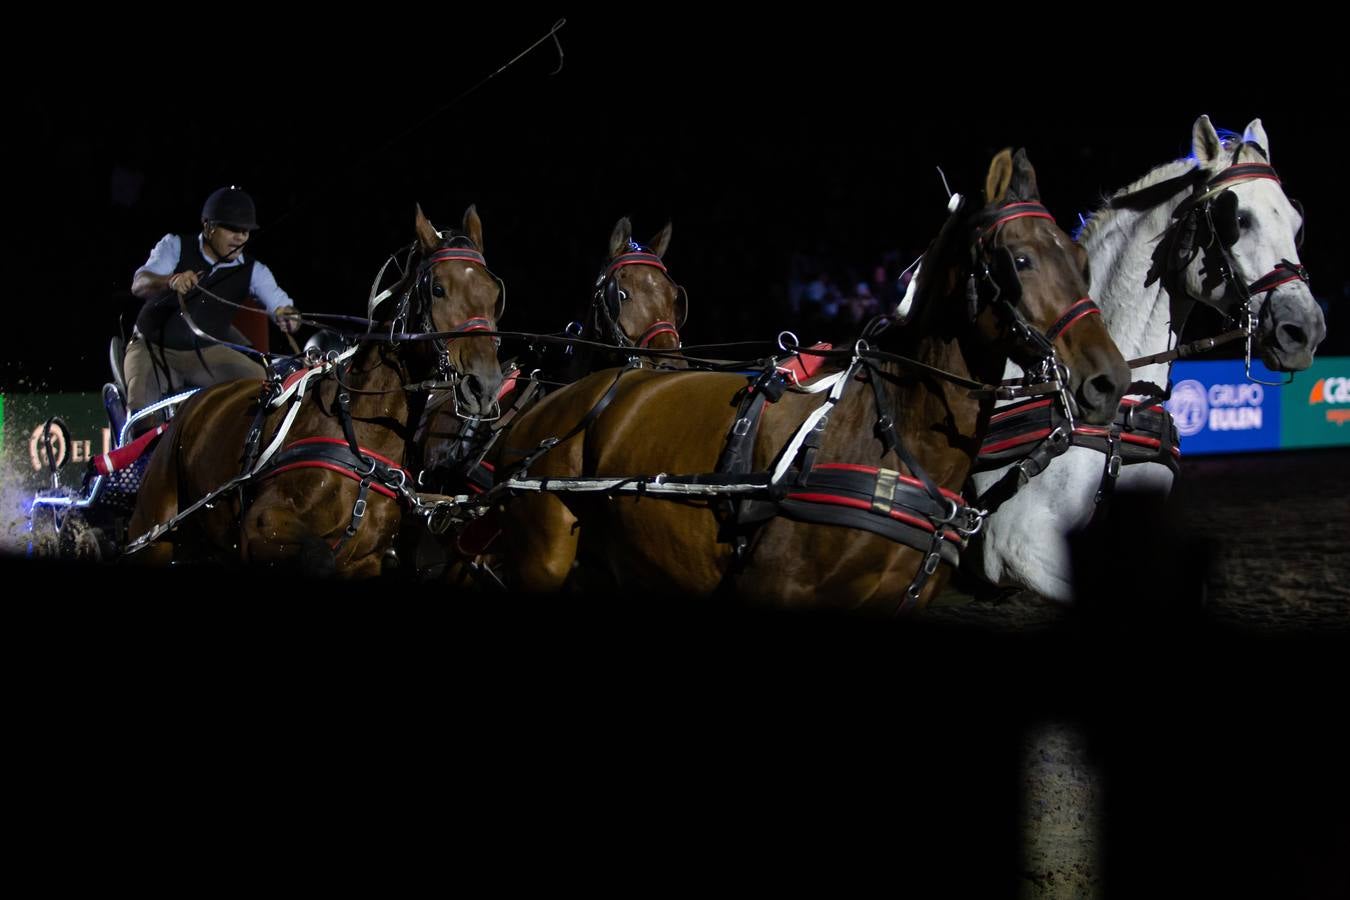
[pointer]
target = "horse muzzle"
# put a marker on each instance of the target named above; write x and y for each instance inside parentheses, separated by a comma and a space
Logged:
(1290, 331)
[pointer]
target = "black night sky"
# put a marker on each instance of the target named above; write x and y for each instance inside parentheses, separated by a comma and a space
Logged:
(759, 140)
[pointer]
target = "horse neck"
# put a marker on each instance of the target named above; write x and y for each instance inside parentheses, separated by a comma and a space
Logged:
(382, 372)
(1141, 317)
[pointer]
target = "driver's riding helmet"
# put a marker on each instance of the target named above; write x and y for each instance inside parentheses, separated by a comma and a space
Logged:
(231, 207)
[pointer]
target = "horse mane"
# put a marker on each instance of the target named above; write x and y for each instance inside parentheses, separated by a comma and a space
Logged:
(935, 285)
(1178, 170)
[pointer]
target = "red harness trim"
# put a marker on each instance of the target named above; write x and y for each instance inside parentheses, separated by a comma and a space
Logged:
(453, 254)
(657, 329)
(1089, 430)
(1091, 310)
(873, 470)
(1019, 408)
(327, 440)
(1026, 214)
(508, 383)
(835, 500)
(1293, 276)
(1244, 171)
(1016, 441)
(800, 368)
(293, 378)
(636, 259)
(332, 467)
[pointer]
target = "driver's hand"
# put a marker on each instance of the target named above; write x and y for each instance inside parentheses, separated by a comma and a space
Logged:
(288, 319)
(182, 282)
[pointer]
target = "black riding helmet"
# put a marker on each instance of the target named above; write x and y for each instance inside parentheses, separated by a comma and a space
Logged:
(231, 207)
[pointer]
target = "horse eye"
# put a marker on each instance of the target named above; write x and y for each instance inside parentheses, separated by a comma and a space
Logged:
(437, 290)
(1022, 261)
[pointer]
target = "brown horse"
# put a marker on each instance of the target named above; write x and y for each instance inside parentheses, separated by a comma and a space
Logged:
(635, 305)
(350, 441)
(995, 281)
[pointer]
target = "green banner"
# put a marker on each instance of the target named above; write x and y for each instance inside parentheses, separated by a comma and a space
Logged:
(1316, 407)
(22, 417)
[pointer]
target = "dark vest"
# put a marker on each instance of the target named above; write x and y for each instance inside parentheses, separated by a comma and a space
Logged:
(160, 319)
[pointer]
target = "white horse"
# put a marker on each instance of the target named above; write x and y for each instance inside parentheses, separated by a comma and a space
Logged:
(1157, 247)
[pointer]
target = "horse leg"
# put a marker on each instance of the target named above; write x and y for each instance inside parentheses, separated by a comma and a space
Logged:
(156, 503)
(542, 543)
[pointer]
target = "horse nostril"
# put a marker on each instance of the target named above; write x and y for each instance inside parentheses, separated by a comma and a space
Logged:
(1291, 336)
(1099, 388)
(473, 391)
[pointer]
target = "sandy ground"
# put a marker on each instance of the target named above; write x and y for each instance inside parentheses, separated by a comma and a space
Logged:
(1275, 528)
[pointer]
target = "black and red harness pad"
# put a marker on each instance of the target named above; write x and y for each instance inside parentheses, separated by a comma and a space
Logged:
(334, 455)
(881, 501)
(1146, 433)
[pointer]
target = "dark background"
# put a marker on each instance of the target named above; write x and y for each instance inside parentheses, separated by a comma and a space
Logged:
(758, 138)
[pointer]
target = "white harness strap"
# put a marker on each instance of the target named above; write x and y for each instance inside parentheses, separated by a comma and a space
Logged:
(296, 393)
(375, 299)
(836, 384)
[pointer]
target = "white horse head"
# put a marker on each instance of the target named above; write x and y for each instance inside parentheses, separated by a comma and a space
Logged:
(1221, 208)
(1155, 248)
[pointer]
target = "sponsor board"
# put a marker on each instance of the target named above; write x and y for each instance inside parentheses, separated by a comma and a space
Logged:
(1317, 406)
(22, 446)
(1217, 410)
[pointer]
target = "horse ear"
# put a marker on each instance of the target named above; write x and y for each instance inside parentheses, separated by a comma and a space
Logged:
(1205, 143)
(619, 237)
(427, 235)
(473, 226)
(659, 243)
(1000, 175)
(1256, 134)
(1022, 186)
